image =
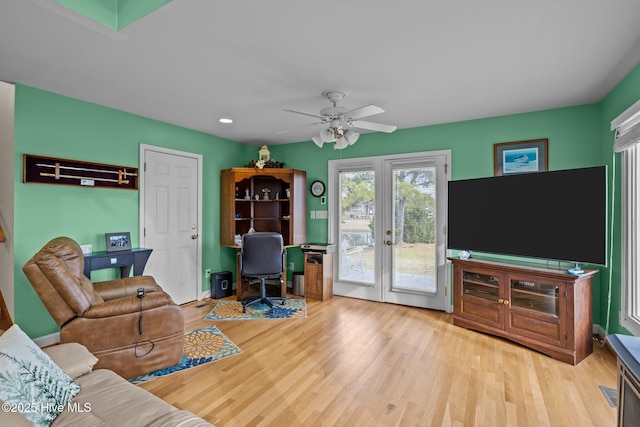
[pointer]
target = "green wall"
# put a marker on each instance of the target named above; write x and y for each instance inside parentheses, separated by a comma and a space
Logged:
(52, 125)
(49, 124)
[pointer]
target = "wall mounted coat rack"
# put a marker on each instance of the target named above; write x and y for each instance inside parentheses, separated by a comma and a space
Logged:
(51, 170)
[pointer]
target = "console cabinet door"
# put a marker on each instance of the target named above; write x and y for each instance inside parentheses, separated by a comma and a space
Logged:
(536, 307)
(479, 297)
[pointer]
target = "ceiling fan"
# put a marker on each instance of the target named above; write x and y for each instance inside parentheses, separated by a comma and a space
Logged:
(340, 120)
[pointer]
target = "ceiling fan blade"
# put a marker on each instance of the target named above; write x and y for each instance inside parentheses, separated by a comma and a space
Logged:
(298, 127)
(367, 110)
(373, 126)
(305, 114)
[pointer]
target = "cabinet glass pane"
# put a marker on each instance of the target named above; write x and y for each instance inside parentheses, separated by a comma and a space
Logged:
(479, 285)
(534, 296)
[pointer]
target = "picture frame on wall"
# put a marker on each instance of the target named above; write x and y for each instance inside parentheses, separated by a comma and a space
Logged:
(118, 241)
(520, 157)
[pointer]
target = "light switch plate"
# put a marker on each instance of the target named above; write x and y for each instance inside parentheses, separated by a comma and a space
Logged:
(86, 249)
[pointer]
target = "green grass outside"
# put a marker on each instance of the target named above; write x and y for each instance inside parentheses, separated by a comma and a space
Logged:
(416, 258)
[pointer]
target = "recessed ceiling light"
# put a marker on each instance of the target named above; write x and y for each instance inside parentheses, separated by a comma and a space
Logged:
(226, 120)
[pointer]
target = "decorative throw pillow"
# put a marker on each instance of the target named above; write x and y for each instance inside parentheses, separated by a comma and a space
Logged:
(30, 382)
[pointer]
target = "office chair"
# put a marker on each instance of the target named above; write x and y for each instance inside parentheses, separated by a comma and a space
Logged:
(262, 257)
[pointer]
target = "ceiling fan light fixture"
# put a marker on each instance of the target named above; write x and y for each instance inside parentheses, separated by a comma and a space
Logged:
(350, 136)
(327, 135)
(341, 143)
(318, 141)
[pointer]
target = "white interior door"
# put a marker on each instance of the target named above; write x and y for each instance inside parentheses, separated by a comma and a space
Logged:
(170, 220)
(387, 217)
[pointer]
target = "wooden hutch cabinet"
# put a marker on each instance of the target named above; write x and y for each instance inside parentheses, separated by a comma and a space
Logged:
(270, 199)
(546, 309)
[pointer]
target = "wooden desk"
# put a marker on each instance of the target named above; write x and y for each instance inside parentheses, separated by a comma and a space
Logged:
(136, 258)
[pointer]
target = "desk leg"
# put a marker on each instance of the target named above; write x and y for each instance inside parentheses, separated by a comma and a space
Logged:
(125, 271)
(238, 277)
(283, 291)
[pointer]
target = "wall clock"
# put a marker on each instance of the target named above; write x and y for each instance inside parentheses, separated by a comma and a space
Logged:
(317, 188)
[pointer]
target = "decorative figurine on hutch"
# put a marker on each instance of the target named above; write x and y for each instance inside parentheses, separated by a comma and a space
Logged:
(246, 194)
(265, 192)
(264, 154)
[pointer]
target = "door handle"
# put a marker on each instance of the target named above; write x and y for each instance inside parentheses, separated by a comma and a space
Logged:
(194, 236)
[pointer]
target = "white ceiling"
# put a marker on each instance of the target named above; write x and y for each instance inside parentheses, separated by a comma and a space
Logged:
(423, 61)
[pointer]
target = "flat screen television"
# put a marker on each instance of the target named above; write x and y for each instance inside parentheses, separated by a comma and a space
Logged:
(557, 215)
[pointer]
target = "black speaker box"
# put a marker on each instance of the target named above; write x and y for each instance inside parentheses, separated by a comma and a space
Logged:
(221, 284)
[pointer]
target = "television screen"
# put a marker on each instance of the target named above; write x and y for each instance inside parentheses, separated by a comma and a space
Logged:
(556, 215)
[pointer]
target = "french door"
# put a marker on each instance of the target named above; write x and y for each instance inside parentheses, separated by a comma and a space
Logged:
(388, 216)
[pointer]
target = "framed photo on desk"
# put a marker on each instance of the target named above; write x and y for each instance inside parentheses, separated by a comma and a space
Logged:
(118, 241)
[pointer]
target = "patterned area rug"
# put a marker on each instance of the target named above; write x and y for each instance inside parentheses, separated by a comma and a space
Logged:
(200, 346)
(293, 308)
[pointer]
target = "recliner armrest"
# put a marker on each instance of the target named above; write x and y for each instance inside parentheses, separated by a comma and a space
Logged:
(128, 286)
(126, 305)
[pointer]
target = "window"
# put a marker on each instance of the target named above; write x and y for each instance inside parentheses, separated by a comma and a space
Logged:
(630, 240)
(627, 127)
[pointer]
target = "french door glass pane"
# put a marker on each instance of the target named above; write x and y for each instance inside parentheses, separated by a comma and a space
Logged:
(357, 215)
(414, 220)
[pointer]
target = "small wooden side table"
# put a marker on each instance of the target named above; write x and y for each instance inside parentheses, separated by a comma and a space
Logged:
(318, 275)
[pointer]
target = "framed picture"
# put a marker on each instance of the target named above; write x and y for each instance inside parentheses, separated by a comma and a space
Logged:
(118, 241)
(520, 157)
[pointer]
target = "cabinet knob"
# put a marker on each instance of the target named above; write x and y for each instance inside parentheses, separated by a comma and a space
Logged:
(500, 301)
(506, 302)
(194, 236)
(389, 242)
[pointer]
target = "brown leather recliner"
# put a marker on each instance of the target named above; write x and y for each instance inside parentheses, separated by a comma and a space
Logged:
(104, 316)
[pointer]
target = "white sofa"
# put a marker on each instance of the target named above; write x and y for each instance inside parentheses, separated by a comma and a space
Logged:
(104, 399)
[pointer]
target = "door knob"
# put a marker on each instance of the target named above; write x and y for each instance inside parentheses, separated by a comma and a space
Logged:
(389, 243)
(194, 236)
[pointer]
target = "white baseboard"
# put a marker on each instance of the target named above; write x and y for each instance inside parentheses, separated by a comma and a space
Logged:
(599, 331)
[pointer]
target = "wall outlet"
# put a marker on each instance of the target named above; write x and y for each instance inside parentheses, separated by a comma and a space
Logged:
(207, 273)
(291, 266)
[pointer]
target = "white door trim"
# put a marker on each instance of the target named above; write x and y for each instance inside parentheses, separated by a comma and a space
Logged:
(198, 157)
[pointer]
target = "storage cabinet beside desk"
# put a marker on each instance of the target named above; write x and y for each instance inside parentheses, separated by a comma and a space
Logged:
(318, 275)
(546, 309)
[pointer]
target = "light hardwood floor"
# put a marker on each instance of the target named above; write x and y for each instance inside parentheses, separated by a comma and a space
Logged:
(359, 363)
